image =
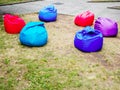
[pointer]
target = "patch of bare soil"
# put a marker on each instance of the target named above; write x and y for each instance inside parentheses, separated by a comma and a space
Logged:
(61, 36)
(61, 41)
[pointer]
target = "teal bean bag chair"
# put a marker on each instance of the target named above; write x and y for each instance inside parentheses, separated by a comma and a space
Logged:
(34, 34)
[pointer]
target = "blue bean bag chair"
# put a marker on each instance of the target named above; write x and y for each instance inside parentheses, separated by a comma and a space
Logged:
(34, 34)
(48, 14)
(88, 40)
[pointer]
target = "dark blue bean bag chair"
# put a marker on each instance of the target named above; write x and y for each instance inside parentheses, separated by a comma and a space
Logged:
(88, 40)
(34, 34)
(48, 14)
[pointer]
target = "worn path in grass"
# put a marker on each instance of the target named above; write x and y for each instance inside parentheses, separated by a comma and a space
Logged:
(72, 7)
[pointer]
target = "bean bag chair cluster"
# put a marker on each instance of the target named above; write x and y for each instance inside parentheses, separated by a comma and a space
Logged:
(13, 24)
(107, 26)
(88, 40)
(48, 14)
(34, 34)
(84, 19)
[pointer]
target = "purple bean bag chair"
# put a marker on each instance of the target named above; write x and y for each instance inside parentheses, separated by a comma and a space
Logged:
(107, 26)
(88, 40)
(48, 14)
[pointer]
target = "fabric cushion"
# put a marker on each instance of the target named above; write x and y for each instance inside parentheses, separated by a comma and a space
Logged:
(107, 26)
(88, 40)
(34, 34)
(13, 24)
(48, 14)
(84, 19)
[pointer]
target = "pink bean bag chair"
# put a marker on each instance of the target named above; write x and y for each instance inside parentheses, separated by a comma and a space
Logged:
(84, 19)
(107, 26)
(13, 24)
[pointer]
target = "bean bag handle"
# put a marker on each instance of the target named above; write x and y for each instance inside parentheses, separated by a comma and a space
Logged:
(11, 18)
(89, 31)
(105, 19)
(85, 14)
(33, 24)
(50, 8)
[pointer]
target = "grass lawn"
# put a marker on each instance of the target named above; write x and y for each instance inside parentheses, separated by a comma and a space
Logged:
(14, 1)
(57, 65)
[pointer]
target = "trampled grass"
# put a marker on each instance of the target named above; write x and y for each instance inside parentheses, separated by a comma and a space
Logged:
(57, 65)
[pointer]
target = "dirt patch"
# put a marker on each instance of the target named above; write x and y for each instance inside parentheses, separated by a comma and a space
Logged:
(61, 38)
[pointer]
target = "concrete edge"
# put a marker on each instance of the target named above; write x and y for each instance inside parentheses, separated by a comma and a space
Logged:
(115, 7)
(34, 13)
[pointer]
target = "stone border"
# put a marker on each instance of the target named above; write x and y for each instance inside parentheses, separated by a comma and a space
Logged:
(20, 2)
(103, 1)
(114, 7)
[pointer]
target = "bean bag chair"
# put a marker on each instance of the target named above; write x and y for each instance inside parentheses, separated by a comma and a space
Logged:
(107, 26)
(34, 34)
(88, 40)
(48, 14)
(84, 19)
(13, 24)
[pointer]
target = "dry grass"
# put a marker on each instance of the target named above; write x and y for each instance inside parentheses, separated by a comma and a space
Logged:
(58, 65)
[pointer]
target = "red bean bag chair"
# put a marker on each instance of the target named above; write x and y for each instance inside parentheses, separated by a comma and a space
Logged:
(107, 26)
(84, 19)
(13, 24)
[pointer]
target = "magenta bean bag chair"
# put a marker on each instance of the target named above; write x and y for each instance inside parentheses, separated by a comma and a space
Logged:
(13, 24)
(84, 19)
(107, 26)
